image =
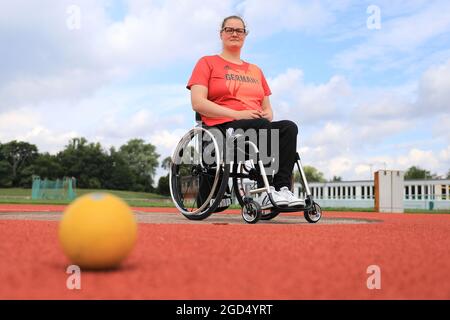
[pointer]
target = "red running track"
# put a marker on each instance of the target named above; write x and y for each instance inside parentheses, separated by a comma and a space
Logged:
(262, 261)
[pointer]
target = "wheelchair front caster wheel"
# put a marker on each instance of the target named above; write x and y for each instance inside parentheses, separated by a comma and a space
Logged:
(314, 214)
(251, 211)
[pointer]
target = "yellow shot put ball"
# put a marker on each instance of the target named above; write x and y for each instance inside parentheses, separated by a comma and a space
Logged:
(97, 231)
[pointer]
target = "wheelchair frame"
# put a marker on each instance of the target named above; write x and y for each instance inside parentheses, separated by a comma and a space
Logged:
(250, 209)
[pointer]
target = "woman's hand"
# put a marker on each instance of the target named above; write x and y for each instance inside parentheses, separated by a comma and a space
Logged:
(267, 114)
(248, 114)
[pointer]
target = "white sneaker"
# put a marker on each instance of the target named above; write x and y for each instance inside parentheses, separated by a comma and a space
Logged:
(289, 196)
(264, 201)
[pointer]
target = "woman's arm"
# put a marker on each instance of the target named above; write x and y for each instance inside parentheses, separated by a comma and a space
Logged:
(201, 104)
(267, 109)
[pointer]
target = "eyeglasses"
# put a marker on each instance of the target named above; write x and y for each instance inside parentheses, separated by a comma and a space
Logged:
(239, 31)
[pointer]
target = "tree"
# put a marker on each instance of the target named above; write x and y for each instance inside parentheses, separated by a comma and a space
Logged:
(47, 166)
(417, 173)
(142, 160)
(163, 185)
(311, 173)
(18, 155)
(120, 176)
(5, 174)
(165, 164)
(163, 182)
(5, 170)
(448, 174)
(86, 162)
(336, 179)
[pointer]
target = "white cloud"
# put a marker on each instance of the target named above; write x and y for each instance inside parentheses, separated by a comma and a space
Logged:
(366, 121)
(307, 103)
(110, 116)
(46, 60)
(70, 85)
(359, 166)
(434, 90)
(422, 158)
(379, 133)
(382, 106)
(14, 121)
(58, 83)
(28, 125)
(289, 15)
(336, 114)
(39, 41)
(399, 35)
(444, 156)
(47, 140)
(153, 34)
(441, 127)
(339, 166)
(332, 135)
(364, 170)
(435, 161)
(166, 140)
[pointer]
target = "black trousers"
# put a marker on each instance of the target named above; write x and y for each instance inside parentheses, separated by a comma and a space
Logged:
(287, 146)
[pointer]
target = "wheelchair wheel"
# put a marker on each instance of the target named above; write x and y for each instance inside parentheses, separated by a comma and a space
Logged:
(314, 214)
(239, 187)
(251, 211)
(198, 178)
(240, 192)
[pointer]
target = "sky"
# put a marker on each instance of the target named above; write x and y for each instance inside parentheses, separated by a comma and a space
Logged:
(367, 82)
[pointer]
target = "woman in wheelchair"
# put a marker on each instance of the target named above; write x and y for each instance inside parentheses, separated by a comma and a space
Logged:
(230, 93)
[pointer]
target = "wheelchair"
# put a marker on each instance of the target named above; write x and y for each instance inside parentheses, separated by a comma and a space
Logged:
(201, 170)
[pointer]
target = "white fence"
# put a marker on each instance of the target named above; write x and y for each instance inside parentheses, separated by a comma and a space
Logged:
(418, 194)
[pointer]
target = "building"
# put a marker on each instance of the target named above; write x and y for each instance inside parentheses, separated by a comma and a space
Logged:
(418, 194)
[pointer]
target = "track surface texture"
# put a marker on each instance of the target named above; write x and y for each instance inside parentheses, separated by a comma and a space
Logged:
(224, 258)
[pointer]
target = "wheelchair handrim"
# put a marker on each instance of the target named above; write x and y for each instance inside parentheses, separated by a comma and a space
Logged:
(189, 136)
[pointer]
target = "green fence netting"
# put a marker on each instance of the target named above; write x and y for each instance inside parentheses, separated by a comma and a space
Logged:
(59, 189)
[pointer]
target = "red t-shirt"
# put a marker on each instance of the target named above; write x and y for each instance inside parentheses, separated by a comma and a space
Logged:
(230, 85)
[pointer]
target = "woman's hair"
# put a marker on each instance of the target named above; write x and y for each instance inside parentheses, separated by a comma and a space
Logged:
(232, 17)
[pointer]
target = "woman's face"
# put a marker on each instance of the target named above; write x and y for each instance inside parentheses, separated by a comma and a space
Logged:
(233, 34)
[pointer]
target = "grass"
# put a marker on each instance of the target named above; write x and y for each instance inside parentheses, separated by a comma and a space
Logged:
(125, 194)
(440, 211)
(135, 199)
(26, 193)
(15, 192)
(144, 199)
(348, 209)
(436, 211)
